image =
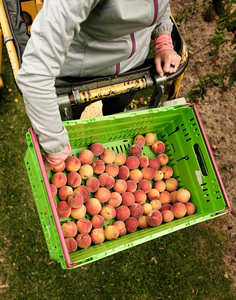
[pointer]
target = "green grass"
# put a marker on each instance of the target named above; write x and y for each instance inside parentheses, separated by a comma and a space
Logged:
(187, 264)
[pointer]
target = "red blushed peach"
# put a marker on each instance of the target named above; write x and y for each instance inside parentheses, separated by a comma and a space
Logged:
(108, 156)
(154, 218)
(135, 150)
(190, 208)
(98, 235)
(165, 197)
(131, 224)
(75, 200)
(143, 161)
(112, 232)
(148, 173)
(72, 164)
(179, 210)
(83, 240)
(93, 184)
(132, 162)
(128, 198)
(115, 199)
(167, 216)
(154, 163)
(153, 194)
(123, 173)
(112, 169)
(142, 222)
(159, 185)
(173, 197)
(86, 157)
(122, 213)
(59, 168)
(156, 204)
(84, 225)
(149, 138)
(140, 140)
(102, 194)
(120, 186)
(167, 171)
(78, 213)
(183, 195)
(131, 186)
(171, 184)
(84, 191)
(97, 149)
(120, 159)
(63, 209)
(108, 212)
(166, 206)
(158, 175)
(53, 189)
(121, 227)
(98, 166)
(136, 210)
(69, 229)
(86, 171)
(136, 175)
(140, 196)
(163, 159)
(158, 147)
(146, 208)
(59, 179)
(103, 179)
(145, 185)
(71, 244)
(93, 206)
(64, 192)
(110, 182)
(73, 179)
(97, 221)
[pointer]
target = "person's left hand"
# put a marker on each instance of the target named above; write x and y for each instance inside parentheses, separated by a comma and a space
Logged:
(170, 60)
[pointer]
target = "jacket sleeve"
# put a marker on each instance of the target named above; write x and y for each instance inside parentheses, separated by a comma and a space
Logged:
(51, 35)
(164, 25)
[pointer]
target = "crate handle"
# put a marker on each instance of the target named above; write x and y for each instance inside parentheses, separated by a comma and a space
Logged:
(201, 160)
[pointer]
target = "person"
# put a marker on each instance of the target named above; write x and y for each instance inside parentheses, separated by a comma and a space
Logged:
(85, 38)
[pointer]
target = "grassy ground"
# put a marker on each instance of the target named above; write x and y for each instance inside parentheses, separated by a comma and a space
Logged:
(187, 264)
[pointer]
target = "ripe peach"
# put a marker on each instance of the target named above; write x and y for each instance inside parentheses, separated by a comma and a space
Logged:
(83, 240)
(154, 163)
(167, 171)
(121, 227)
(98, 235)
(96, 148)
(153, 194)
(179, 210)
(131, 224)
(115, 199)
(97, 221)
(108, 212)
(84, 225)
(102, 194)
(146, 208)
(132, 162)
(86, 171)
(120, 186)
(167, 215)
(53, 189)
(135, 150)
(163, 159)
(86, 157)
(140, 196)
(149, 138)
(73, 179)
(93, 206)
(142, 222)
(122, 213)
(75, 200)
(72, 164)
(154, 218)
(159, 185)
(98, 166)
(156, 204)
(131, 186)
(63, 209)
(108, 156)
(120, 159)
(110, 182)
(145, 185)
(143, 161)
(69, 229)
(93, 184)
(158, 147)
(148, 173)
(59, 179)
(173, 197)
(123, 172)
(136, 175)
(60, 167)
(78, 213)
(128, 198)
(103, 179)
(136, 210)
(71, 244)
(190, 208)
(64, 192)
(165, 206)
(171, 184)
(183, 195)
(165, 197)
(158, 175)
(84, 191)
(111, 232)
(112, 169)
(139, 140)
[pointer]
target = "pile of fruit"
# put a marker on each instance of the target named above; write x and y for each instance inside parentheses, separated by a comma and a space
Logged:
(108, 194)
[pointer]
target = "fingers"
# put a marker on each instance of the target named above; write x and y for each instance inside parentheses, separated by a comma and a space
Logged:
(171, 62)
(159, 66)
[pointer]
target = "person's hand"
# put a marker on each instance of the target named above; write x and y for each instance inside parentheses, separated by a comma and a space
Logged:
(167, 61)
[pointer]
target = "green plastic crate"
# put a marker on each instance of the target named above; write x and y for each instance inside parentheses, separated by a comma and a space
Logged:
(190, 156)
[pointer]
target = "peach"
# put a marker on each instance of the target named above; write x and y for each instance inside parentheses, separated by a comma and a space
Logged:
(75, 200)
(59, 179)
(173, 197)
(131, 186)
(112, 169)
(167, 171)
(97, 149)
(115, 199)
(190, 208)
(128, 198)
(60, 167)
(135, 150)
(93, 184)
(97, 221)
(71, 244)
(154, 218)
(159, 185)
(69, 229)
(63, 209)
(84, 191)
(132, 162)
(158, 175)
(140, 196)
(167, 216)
(108, 212)
(121, 227)
(153, 194)
(102, 194)
(108, 156)
(86, 171)
(53, 189)
(123, 172)
(98, 166)
(165, 206)
(84, 225)
(110, 182)
(145, 185)
(112, 232)
(136, 210)
(179, 210)
(93, 206)
(73, 179)
(103, 179)
(120, 159)
(83, 240)
(156, 204)
(149, 138)
(98, 235)
(139, 140)
(86, 157)
(142, 222)
(146, 208)
(148, 173)
(154, 163)
(78, 213)
(171, 184)
(158, 147)
(120, 186)
(72, 164)
(64, 192)
(163, 159)
(136, 175)
(143, 161)
(165, 197)
(122, 213)
(131, 224)
(183, 195)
